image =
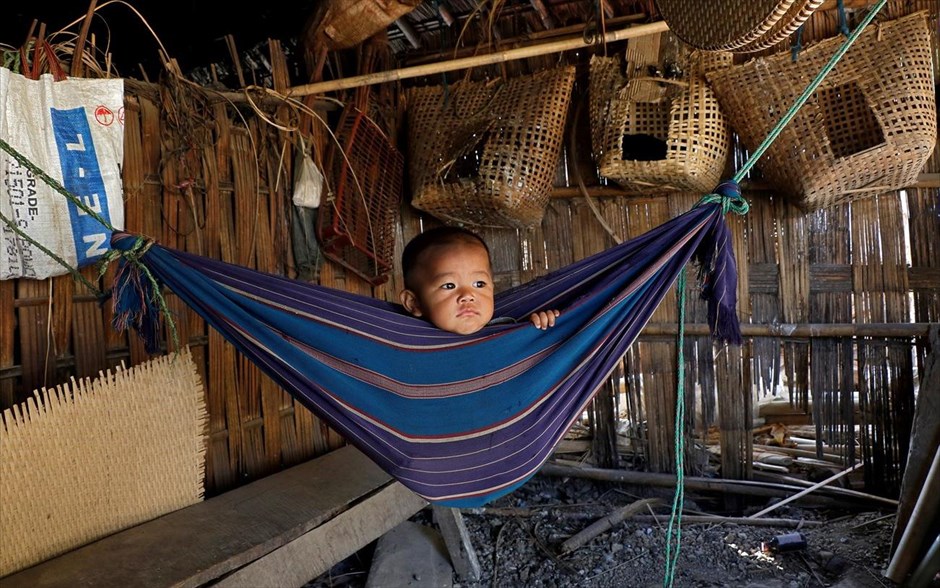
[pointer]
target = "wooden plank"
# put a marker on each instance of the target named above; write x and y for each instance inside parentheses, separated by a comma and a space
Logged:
(203, 542)
(316, 552)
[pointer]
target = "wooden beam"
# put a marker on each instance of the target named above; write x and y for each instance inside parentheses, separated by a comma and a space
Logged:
(467, 62)
(801, 331)
(314, 553)
(199, 544)
(925, 180)
(409, 31)
(548, 21)
(430, 57)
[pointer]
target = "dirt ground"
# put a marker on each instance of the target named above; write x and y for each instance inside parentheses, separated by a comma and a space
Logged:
(519, 542)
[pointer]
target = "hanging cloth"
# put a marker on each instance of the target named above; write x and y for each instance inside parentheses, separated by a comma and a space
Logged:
(458, 419)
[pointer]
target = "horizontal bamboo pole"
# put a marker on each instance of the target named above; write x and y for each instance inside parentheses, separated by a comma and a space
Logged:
(694, 483)
(925, 180)
(807, 330)
(467, 62)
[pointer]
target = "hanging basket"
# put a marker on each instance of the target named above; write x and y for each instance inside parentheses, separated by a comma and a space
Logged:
(869, 127)
(656, 133)
(356, 223)
(486, 154)
(740, 26)
(341, 24)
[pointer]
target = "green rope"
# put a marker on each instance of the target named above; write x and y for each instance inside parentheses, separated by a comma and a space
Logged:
(807, 92)
(74, 271)
(674, 532)
(54, 184)
(132, 256)
(738, 206)
(735, 205)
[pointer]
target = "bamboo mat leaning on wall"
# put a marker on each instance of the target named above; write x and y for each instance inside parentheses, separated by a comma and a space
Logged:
(84, 461)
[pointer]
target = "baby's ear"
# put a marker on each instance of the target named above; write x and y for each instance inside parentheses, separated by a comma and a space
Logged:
(410, 302)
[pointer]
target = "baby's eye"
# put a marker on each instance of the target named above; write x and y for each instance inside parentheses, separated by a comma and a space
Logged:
(479, 284)
(448, 286)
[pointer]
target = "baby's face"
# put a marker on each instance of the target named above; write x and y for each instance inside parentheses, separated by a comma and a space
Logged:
(454, 287)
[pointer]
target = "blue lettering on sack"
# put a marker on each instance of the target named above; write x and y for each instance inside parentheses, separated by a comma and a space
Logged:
(81, 175)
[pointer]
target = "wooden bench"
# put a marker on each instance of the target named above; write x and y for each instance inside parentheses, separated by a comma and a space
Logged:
(282, 530)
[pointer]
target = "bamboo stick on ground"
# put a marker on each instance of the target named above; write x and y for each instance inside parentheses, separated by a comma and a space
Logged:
(808, 490)
(715, 519)
(605, 524)
(748, 487)
(781, 479)
(799, 452)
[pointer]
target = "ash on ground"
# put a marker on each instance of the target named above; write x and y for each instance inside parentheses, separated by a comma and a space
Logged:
(519, 541)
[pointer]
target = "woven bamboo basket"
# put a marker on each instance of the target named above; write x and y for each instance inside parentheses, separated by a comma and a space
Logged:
(735, 25)
(870, 126)
(486, 154)
(357, 222)
(341, 24)
(654, 133)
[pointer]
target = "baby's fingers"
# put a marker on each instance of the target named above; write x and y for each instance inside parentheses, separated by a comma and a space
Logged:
(544, 318)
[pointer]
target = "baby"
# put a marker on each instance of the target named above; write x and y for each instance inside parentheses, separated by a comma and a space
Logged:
(449, 282)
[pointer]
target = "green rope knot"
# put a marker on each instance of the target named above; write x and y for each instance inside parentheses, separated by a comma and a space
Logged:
(728, 194)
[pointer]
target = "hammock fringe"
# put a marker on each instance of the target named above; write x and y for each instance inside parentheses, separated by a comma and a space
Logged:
(136, 305)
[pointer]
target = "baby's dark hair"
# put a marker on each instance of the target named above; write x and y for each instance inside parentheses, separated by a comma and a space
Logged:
(443, 235)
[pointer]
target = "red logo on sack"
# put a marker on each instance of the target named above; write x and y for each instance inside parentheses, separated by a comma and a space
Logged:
(104, 116)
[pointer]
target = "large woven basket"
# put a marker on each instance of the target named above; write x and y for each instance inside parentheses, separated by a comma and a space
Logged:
(356, 224)
(735, 25)
(486, 154)
(870, 126)
(656, 133)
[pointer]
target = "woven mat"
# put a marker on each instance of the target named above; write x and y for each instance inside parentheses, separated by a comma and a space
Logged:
(89, 459)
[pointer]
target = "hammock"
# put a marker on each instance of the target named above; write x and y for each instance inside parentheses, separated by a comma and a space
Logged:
(458, 419)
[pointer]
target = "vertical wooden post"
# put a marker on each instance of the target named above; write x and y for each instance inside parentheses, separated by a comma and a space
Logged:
(462, 554)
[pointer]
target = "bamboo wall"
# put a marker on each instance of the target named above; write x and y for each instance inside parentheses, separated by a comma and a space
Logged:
(208, 176)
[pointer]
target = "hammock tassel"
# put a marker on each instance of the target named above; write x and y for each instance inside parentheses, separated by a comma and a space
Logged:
(137, 302)
(719, 271)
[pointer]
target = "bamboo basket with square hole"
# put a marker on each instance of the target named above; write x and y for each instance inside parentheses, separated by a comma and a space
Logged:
(356, 223)
(870, 126)
(651, 132)
(486, 153)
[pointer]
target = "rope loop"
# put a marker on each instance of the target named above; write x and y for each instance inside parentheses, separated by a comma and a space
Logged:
(728, 194)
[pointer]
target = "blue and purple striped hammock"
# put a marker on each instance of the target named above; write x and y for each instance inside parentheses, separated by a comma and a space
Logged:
(458, 419)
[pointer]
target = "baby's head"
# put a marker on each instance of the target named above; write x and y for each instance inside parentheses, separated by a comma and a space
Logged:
(448, 279)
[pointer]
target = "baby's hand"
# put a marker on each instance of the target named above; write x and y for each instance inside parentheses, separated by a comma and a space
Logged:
(544, 319)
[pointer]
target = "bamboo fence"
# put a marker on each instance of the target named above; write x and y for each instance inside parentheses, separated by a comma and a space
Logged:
(209, 176)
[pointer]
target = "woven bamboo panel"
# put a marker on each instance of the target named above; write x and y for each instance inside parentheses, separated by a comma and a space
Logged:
(85, 460)
(358, 220)
(870, 126)
(795, 17)
(654, 132)
(485, 154)
(735, 25)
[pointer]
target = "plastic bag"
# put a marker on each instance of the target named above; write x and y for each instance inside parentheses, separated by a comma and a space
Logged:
(308, 181)
(73, 131)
